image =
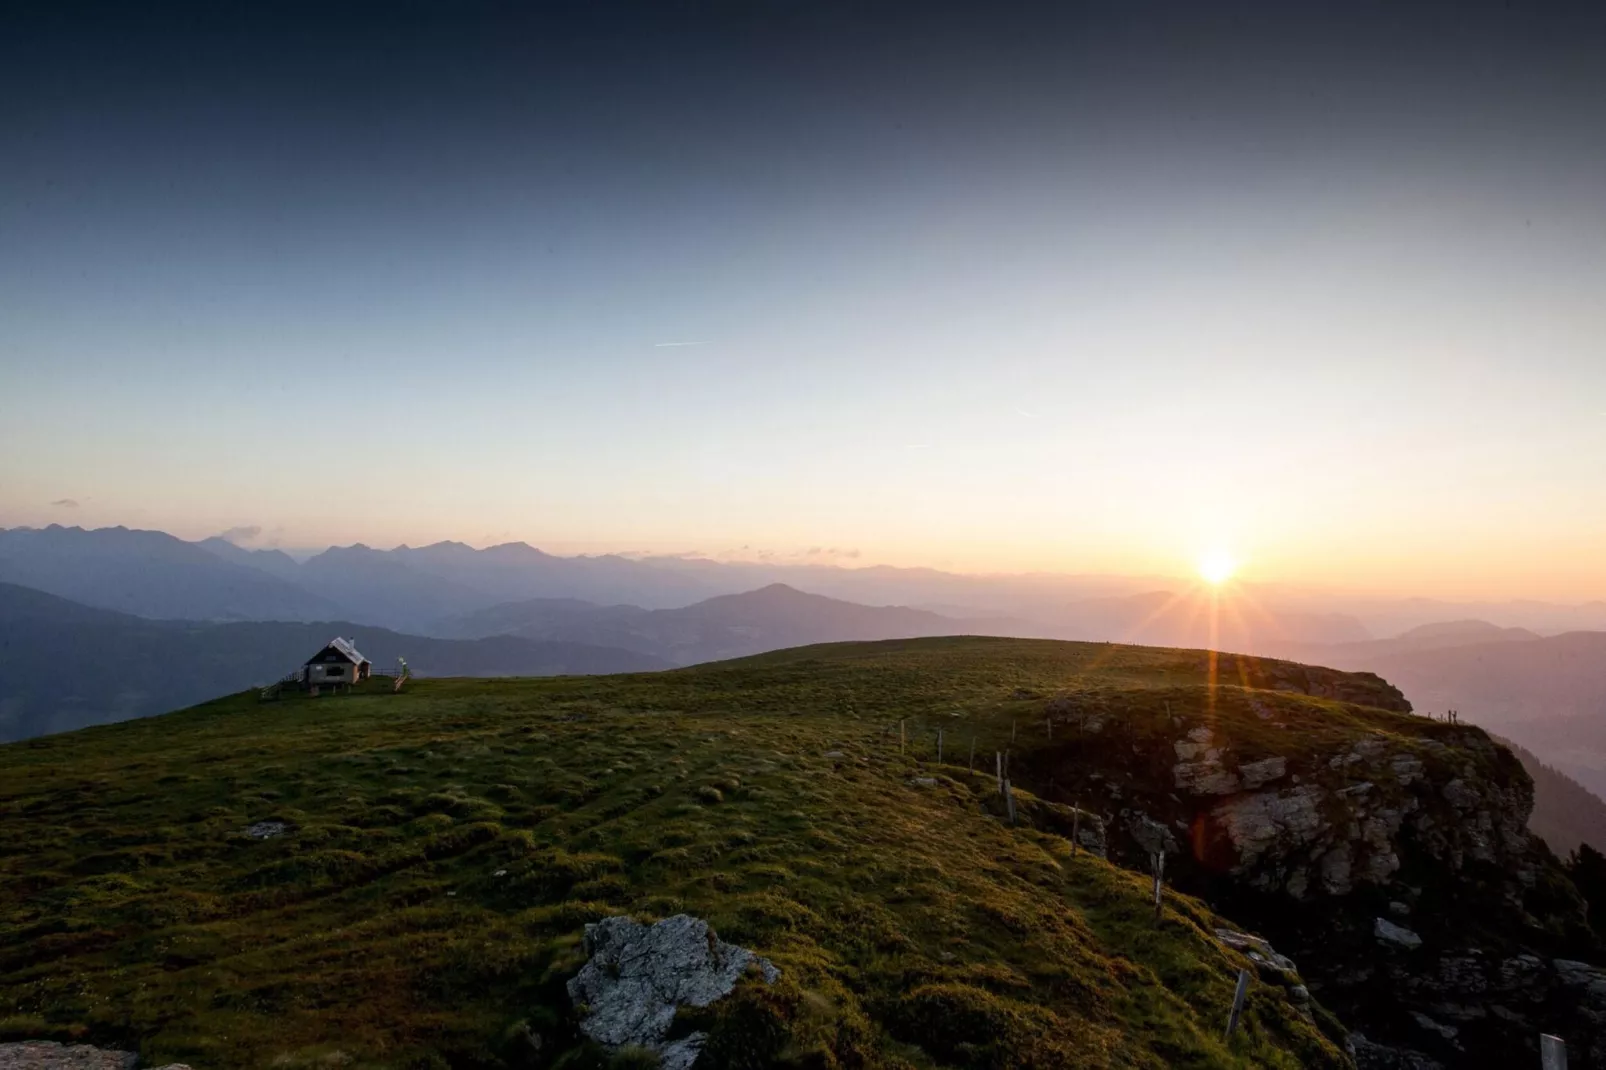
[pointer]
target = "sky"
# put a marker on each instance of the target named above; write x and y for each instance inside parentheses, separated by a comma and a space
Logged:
(993, 287)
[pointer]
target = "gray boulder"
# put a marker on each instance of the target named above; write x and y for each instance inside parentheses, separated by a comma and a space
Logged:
(639, 974)
(1398, 935)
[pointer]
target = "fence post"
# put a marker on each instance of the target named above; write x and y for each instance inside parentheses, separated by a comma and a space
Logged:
(1159, 873)
(998, 769)
(939, 746)
(1076, 827)
(1552, 1052)
(1238, 1001)
(973, 751)
(1009, 802)
(1049, 720)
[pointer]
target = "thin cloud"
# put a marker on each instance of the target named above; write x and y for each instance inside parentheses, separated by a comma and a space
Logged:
(1028, 415)
(676, 345)
(917, 445)
(243, 533)
(65, 503)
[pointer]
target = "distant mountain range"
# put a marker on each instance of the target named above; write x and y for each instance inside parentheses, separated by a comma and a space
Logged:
(151, 574)
(728, 626)
(65, 665)
(434, 589)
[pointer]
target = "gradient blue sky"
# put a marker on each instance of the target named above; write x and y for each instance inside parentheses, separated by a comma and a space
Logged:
(1085, 288)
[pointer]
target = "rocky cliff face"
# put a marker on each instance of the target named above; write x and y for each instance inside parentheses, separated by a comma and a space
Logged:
(1387, 853)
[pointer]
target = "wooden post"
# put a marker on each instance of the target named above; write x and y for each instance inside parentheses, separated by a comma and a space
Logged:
(973, 752)
(1006, 763)
(1050, 722)
(939, 746)
(1076, 827)
(1009, 802)
(998, 769)
(1552, 1052)
(1159, 873)
(1238, 1001)
(1012, 730)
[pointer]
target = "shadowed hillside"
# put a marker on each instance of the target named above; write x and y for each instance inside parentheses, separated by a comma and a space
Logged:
(1566, 813)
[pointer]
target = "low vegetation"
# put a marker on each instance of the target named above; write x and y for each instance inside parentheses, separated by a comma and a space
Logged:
(444, 847)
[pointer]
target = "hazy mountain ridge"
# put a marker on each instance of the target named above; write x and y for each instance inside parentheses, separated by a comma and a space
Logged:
(725, 626)
(65, 665)
(150, 574)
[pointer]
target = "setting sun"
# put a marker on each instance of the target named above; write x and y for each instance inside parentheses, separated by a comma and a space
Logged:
(1217, 567)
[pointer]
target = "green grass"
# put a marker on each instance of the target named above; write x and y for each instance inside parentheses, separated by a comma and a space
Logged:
(449, 843)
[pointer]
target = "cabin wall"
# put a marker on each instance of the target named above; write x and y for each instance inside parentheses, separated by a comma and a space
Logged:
(335, 673)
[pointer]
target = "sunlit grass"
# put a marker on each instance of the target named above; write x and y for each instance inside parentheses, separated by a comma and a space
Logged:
(449, 843)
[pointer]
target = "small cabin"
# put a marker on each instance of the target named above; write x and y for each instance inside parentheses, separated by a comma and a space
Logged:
(338, 664)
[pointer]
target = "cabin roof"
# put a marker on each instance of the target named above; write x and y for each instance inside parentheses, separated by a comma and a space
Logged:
(343, 647)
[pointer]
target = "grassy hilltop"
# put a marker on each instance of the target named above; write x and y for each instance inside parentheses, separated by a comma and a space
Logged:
(448, 844)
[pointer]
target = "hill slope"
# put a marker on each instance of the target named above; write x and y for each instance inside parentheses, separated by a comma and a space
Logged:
(1566, 813)
(64, 665)
(447, 845)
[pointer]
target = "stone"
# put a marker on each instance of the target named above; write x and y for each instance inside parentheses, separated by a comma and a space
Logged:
(639, 974)
(1205, 778)
(1399, 909)
(1398, 935)
(1576, 974)
(1199, 770)
(923, 781)
(266, 830)
(1150, 835)
(49, 1055)
(1406, 768)
(1258, 774)
(1371, 1056)
(1448, 1032)
(1459, 795)
(1271, 965)
(1257, 822)
(1335, 867)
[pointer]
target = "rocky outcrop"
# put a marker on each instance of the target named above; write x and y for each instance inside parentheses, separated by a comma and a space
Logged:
(1388, 853)
(637, 976)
